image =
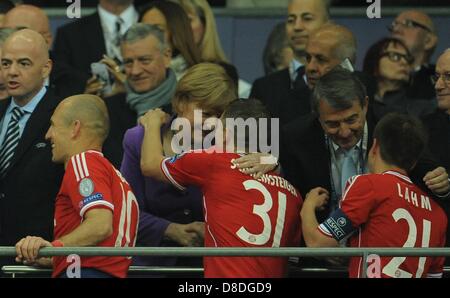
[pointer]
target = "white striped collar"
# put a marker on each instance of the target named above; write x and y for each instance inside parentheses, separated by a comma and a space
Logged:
(406, 178)
(94, 151)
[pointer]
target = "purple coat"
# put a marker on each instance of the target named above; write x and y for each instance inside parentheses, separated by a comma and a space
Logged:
(159, 203)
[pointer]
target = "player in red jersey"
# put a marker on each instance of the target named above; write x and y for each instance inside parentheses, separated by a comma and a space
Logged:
(95, 205)
(240, 211)
(384, 209)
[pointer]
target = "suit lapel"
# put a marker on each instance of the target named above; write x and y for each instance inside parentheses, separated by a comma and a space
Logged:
(94, 35)
(3, 106)
(38, 122)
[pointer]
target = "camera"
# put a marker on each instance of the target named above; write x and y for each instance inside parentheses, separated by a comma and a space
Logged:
(101, 72)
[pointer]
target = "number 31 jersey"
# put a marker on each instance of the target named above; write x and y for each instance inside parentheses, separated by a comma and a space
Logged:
(239, 211)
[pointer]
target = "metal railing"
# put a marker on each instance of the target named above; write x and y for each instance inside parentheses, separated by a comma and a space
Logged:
(268, 252)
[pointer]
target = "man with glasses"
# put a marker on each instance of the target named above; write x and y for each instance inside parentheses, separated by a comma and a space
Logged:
(438, 123)
(417, 31)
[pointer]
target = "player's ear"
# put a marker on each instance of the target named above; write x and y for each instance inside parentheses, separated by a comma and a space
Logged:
(375, 147)
(76, 127)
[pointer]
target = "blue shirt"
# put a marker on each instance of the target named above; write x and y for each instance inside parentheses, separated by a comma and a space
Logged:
(293, 67)
(28, 109)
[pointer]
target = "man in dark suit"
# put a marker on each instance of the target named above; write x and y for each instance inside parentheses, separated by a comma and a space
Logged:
(285, 92)
(416, 29)
(327, 148)
(86, 40)
(438, 123)
(29, 181)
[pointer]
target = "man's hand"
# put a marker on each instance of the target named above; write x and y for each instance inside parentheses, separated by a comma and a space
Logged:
(27, 250)
(317, 198)
(256, 163)
(154, 118)
(191, 234)
(437, 181)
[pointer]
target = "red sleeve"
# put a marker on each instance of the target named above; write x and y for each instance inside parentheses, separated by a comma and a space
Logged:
(359, 199)
(89, 186)
(189, 168)
(437, 264)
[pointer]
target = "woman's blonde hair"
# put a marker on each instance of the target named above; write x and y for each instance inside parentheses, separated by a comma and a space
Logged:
(208, 86)
(210, 46)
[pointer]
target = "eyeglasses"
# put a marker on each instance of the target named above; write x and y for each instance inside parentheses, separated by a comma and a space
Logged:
(396, 57)
(408, 24)
(445, 77)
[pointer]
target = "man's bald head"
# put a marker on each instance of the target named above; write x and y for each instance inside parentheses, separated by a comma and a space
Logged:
(342, 40)
(442, 86)
(31, 17)
(28, 38)
(327, 47)
(25, 64)
(418, 16)
(90, 110)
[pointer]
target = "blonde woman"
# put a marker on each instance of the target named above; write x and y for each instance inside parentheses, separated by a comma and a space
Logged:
(169, 217)
(206, 38)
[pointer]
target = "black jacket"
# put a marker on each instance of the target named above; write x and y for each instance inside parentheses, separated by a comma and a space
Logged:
(77, 45)
(280, 98)
(29, 189)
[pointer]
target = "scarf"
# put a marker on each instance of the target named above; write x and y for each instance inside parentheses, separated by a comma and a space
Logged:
(179, 65)
(156, 98)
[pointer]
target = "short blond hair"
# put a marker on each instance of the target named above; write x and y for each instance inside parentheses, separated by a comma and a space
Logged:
(208, 86)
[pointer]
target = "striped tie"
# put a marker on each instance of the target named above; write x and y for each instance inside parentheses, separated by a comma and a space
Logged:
(11, 140)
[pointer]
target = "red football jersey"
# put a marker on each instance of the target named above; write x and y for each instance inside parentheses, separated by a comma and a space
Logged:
(239, 211)
(388, 210)
(90, 181)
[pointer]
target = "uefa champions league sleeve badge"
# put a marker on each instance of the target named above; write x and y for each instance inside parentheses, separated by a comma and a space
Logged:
(86, 187)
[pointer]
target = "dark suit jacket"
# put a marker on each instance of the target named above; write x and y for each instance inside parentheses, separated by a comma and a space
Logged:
(65, 81)
(77, 45)
(277, 94)
(29, 189)
(421, 86)
(122, 118)
(438, 126)
(283, 101)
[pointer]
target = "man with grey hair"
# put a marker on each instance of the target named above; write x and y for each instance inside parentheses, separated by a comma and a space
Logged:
(416, 29)
(150, 84)
(327, 47)
(328, 147)
(285, 93)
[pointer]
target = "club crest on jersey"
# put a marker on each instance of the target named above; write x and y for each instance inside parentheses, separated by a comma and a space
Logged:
(86, 187)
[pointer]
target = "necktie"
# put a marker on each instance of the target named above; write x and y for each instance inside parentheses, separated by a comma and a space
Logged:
(118, 35)
(348, 168)
(299, 82)
(11, 140)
